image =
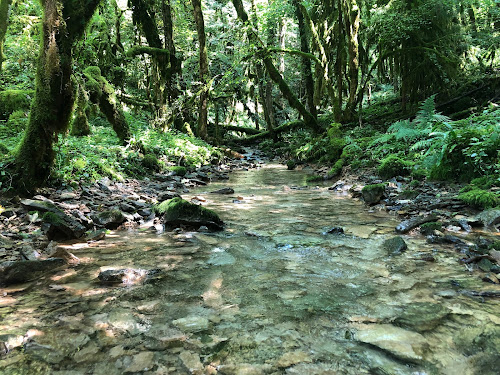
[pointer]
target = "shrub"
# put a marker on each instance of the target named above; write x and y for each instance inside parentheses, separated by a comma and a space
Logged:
(151, 162)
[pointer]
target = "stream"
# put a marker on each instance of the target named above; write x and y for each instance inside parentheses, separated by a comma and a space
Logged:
(272, 294)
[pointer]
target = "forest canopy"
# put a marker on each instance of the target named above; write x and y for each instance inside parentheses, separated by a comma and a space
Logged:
(235, 72)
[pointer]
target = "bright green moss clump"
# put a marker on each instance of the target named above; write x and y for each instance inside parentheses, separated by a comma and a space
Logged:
(14, 100)
(151, 162)
(480, 198)
(178, 170)
(178, 211)
(393, 166)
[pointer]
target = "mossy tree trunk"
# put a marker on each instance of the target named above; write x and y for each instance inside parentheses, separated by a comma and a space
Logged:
(273, 71)
(80, 125)
(54, 95)
(353, 46)
(306, 62)
(204, 73)
(4, 22)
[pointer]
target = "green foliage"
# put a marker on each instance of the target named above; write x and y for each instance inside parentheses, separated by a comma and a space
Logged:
(3, 149)
(337, 168)
(14, 100)
(480, 198)
(314, 178)
(393, 166)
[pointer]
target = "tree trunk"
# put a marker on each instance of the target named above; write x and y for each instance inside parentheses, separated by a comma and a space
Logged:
(274, 73)
(204, 73)
(54, 94)
(306, 63)
(353, 23)
(4, 22)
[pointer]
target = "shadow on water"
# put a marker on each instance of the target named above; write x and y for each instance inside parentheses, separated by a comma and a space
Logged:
(272, 294)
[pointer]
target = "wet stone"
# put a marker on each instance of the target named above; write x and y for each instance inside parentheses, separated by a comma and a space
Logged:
(395, 245)
(141, 362)
(192, 324)
(422, 316)
(110, 219)
(23, 271)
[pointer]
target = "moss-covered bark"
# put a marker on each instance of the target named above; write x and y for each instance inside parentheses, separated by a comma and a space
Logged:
(103, 94)
(80, 124)
(203, 63)
(54, 95)
(4, 21)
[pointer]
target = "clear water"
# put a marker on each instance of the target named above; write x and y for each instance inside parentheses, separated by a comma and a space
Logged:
(272, 294)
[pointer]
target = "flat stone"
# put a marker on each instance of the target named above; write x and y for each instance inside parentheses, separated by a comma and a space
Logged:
(403, 344)
(225, 190)
(192, 362)
(293, 358)
(24, 271)
(192, 324)
(141, 362)
(110, 219)
(422, 316)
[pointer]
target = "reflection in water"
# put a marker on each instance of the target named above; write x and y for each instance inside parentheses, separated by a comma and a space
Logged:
(272, 294)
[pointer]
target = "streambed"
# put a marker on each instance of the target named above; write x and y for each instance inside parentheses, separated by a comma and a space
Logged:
(272, 294)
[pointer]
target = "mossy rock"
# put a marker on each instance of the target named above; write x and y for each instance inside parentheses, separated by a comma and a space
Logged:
(393, 166)
(151, 162)
(480, 198)
(337, 168)
(110, 219)
(291, 165)
(395, 245)
(179, 212)
(372, 194)
(422, 316)
(178, 171)
(13, 100)
(428, 228)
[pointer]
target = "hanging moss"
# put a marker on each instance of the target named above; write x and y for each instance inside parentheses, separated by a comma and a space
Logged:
(80, 125)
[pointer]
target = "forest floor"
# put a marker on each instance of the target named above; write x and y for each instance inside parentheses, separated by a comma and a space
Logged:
(31, 228)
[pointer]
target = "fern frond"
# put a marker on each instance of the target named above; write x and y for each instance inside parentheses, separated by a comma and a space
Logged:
(422, 145)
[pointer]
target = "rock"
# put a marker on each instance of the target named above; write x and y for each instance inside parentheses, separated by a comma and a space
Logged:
(27, 270)
(336, 230)
(96, 235)
(225, 190)
(167, 196)
(62, 253)
(395, 245)
(403, 344)
(485, 265)
(490, 217)
(293, 358)
(372, 194)
(145, 212)
(39, 205)
(111, 219)
(87, 354)
(62, 227)
(446, 239)
(125, 207)
(178, 212)
(192, 362)
(422, 316)
(141, 362)
(408, 225)
(67, 196)
(127, 276)
(192, 324)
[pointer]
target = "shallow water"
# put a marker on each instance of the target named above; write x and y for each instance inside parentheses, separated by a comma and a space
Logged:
(272, 294)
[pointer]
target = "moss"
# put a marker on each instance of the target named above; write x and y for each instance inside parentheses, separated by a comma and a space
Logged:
(337, 168)
(13, 100)
(393, 166)
(179, 210)
(408, 194)
(314, 178)
(178, 170)
(480, 198)
(374, 188)
(52, 218)
(291, 165)
(428, 228)
(496, 245)
(151, 162)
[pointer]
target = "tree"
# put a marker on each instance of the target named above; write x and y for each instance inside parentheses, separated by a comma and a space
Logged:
(54, 95)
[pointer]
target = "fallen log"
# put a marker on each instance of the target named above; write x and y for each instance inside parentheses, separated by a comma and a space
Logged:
(265, 134)
(242, 129)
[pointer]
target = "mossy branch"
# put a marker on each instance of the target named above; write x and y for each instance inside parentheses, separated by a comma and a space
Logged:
(146, 50)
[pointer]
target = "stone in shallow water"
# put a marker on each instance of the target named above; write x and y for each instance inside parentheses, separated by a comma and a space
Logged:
(141, 362)
(406, 345)
(395, 245)
(192, 324)
(192, 362)
(422, 316)
(244, 369)
(221, 259)
(293, 358)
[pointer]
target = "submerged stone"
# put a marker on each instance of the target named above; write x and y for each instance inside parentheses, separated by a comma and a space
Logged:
(27, 270)
(403, 344)
(395, 245)
(192, 324)
(422, 316)
(179, 212)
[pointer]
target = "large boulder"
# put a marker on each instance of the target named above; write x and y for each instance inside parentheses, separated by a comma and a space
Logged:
(179, 212)
(62, 227)
(490, 217)
(27, 270)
